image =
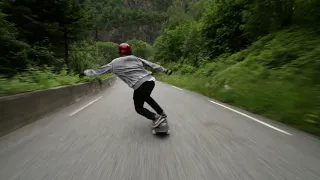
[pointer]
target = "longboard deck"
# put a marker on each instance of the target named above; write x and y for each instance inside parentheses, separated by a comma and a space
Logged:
(162, 128)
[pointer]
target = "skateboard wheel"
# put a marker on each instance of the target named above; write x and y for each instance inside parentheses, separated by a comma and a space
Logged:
(168, 132)
(153, 131)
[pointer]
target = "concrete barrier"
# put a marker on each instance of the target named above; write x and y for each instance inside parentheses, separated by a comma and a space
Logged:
(19, 110)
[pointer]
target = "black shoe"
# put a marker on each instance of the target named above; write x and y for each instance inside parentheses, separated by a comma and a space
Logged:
(163, 115)
(158, 121)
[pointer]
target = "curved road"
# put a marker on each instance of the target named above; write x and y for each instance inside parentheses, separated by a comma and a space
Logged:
(103, 138)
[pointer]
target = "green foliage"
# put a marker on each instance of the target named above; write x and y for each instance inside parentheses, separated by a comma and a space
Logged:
(129, 19)
(13, 51)
(140, 48)
(307, 13)
(249, 53)
(169, 45)
(177, 15)
(203, 30)
(36, 79)
(261, 55)
(56, 34)
(221, 24)
(16, 54)
(82, 56)
(40, 32)
(264, 16)
(107, 52)
(47, 22)
(277, 76)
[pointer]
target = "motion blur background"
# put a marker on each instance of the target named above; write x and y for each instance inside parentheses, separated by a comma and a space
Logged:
(260, 55)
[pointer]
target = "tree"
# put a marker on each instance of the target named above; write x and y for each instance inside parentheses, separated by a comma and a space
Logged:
(221, 28)
(50, 23)
(264, 16)
(12, 50)
(129, 19)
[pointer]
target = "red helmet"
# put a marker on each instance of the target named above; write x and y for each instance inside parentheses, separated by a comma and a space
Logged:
(124, 49)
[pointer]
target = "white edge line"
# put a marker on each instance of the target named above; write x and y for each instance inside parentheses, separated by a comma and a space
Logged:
(177, 88)
(252, 118)
(85, 106)
(114, 86)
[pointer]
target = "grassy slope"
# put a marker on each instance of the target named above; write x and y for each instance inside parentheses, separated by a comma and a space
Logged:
(35, 79)
(277, 77)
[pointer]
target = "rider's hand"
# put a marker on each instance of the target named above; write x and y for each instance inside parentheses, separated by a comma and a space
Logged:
(82, 74)
(169, 72)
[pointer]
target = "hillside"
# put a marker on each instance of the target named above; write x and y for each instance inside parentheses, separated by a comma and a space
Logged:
(119, 21)
(248, 79)
(234, 52)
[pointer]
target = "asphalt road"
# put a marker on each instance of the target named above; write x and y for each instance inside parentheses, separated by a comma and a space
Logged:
(103, 138)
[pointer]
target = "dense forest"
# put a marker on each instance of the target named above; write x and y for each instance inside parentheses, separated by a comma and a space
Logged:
(53, 32)
(45, 43)
(260, 55)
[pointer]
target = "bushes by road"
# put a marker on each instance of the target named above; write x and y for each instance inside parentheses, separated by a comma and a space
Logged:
(263, 56)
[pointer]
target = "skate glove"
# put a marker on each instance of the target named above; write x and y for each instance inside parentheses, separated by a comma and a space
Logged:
(82, 75)
(169, 72)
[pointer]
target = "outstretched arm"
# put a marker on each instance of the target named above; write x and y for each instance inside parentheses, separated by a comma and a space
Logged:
(101, 70)
(153, 65)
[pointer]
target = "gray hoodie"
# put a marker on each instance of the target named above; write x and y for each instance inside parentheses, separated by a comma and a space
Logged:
(129, 69)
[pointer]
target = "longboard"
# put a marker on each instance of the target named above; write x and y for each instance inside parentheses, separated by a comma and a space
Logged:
(163, 128)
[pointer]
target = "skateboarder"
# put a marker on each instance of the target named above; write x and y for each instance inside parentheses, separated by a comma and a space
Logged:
(129, 68)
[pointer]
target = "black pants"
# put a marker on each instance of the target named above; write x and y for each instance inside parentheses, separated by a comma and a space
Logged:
(141, 95)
